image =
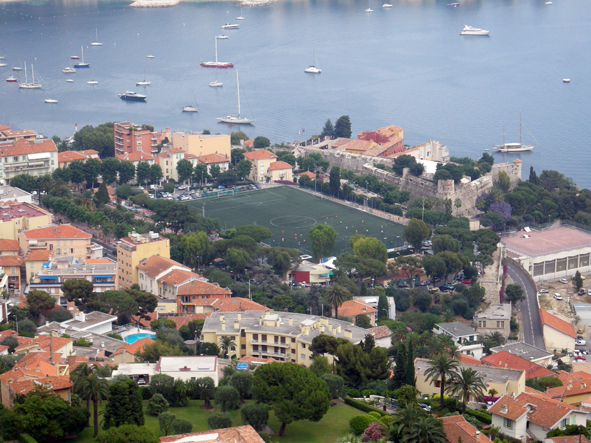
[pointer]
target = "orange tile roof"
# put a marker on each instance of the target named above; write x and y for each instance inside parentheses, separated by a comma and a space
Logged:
(55, 383)
(89, 152)
(237, 304)
(357, 145)
(309, 174)
(11, 260)
(380, 332)
(177, 276)
(39, 255)
(574, 384)
(213, 158)
(8, 245)
(457, 429)
(546, 411)
(199, 287)
(570, 439)
(70, 156)
(156, 264)
(134, 347)
(353, 308)
(188, 155)
(505, 359)
(469, 360)
(136, 156)
(275, 166)
(557, 323)
(55, 232)
(259, 154)
(175, 150)
(238, 434)
(21, 147)
(183, 320)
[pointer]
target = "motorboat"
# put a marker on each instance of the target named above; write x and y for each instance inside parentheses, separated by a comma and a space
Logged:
(548, 3)
(230, 26)
(143, 83)
(51, 100)
(149, 56)
(313, 69)
(386, 5)
(69, 70)
(74, 57)
(92, 82)
(190, 109)
(222, 37)
(17, 68)
(236, 119)
(369, 10)
(216, 84)
(513, 147)
(566, 80)
(32, 84)
(96, 42)
(2, 65)
(369, 7)
(70, 80)
(453, 4)
(12, 79)
(469, 30)
(216, 63)
(81, 63)
(132, 96)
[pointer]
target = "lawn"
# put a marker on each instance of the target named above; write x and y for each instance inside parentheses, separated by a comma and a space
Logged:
(290, 213)
(332, 426)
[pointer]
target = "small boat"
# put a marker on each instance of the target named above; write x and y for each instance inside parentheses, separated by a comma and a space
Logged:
(70, 80)
(142, 83)
(216, 84)
(12, 79)
(513, 147)
(92, 82)
(2, 65)
(17, 68)
(313, 69)
(469, 30)
(81, 63)
(51, 100)
(222, 37)
(69, 70)
(548, 3)
(230, 26)
(74, 57)
(566, 80)
(453, 4)
(96, 42)
(26, 84)
(240, 17)
(236, 119)
(132, 96)
(190, 109)
(386, 5)
(216, 63)
(149, 56)
(368, 7)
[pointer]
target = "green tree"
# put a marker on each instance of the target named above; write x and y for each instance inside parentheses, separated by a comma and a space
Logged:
(320, 366)
(434, 266)
(466, 382)
(443, 243)
(383, 307)
(77, 172)
(328, 129)
(577, 281)
(184, 169)
(126, 434)
(334, 183)
(195, 248)
(126, 172)
(237, 154)
(336, 295)
(400, 370)
(206, 389)
(363, 321)
(124, 405)
(227, 345)
(155, 173)
(415, 232)
(503, 181)
(410, 366)
(342, 127)
(227, 398)
(237, 259)
(79, 291)
(257, 233)
(39, 302)
(323, 238)
(441, 367)
(261, 142)
(25, 182)
(109, 170)
(102, 195)
(92, 169)
(182, 426)
(256, 415)
(280, 260)
(95, 389)
(336, 385)
(425, 430)
(165, 421)
(242, 382)
(293, 392)
(143, 172)
(157, 405)
(12, 342)
(220, 420)
(370, 247)
(514, 293)
(243, 168)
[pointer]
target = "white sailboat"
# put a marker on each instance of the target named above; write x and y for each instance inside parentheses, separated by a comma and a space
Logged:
(81, 63)
(240, 17)
(149, 56)
(216, 63)
(51, 100)
(92, 82)
(386, 5)
(26, 84)
(313, 69)
(369, 7)
(216, 83)
(513, 147)
(191, 108)
(143, 82)
(96, 42)
(236, 119)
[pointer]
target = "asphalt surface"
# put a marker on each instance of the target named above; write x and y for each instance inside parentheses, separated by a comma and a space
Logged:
(531, 324)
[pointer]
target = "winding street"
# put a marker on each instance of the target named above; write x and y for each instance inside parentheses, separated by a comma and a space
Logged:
(531, 324)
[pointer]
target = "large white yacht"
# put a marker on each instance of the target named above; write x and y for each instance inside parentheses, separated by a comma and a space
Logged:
(469, 30)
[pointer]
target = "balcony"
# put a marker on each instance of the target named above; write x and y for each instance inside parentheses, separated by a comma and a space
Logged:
(24, 166)
(271, 343)
(278, 354)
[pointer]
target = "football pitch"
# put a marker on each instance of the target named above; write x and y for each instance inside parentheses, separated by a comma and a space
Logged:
(290, 214)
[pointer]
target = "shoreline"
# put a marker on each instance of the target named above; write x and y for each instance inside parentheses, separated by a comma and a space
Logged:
(171, 3)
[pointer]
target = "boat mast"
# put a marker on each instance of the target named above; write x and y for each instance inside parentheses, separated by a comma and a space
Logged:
(33, 74)
(520, 129)
(26, 79)
(216, 49)
(238, 92)
(503, 135)
(82, 49)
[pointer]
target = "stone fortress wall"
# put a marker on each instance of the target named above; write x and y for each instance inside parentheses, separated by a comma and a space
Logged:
(424, 186)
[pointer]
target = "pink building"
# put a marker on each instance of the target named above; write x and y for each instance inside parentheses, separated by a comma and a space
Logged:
(131, 138)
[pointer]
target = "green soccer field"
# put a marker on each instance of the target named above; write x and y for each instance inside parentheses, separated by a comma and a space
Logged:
(290, 213)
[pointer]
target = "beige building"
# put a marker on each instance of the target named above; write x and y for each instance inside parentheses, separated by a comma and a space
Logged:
(283, 336)
(135, 248)
(32, 157)
(34, 261)
(151, 269)
(168, 161)
(17, 217)
(280, 171)
(201, 144)
(61, 239)
(9, 247)
(261, 160)
(528, 352)
(215, 159)
(430, 151)
(496, 318)
(558, 333)
(504, 381)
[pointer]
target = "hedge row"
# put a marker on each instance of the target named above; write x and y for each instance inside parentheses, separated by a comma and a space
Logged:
(363, 406)
(484, 417)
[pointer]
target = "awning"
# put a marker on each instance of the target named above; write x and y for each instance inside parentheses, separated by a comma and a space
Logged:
(39, 156)
(103, 276)
(47, 277)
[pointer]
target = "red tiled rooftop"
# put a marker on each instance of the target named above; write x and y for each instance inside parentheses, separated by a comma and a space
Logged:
(259, 154)
(23, 147)
(11, 260)
(155, 265)
(213, 158)
(458, 429)
(136, 156)
(55, 232)
(380, 332)
(70, 156)
(8, 245)
(557, 323)
(353, 308)
(238, 434)
(39, 255)
(237, 304)
(505, 359)
(275, 166)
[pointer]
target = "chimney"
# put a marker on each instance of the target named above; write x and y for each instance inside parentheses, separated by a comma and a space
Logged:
(222, 318)
(236, 325)
(504, 409)
(223, 326)
(348, 333)
(338, 329)
(239, 316)
(290, 322)
(477, 435)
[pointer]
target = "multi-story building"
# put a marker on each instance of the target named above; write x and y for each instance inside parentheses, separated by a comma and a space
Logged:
(528, 352)
(66, 157)
(62, 240)
(137, 157)
(189, 289)
(9, 247)
(18, 217)
(200, 144)
(100, 272)
(12, 194)
(284, 336)
(130, 138)
(168, 161)
(132, 250)
(431, 151)
(261, 160)
(34, 261)
(12, 270)
(465, 337)
(8, 135)
(215, 159)
(496, 318)
(153, 268)
(32, 157)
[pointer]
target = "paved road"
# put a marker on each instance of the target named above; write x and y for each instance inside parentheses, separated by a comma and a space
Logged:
(530, 316)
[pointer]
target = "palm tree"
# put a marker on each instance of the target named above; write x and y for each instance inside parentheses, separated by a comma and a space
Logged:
(406, 416)
(336, 295)
(496, 337)
(78, 376)
(94, 388)
(466, 382)
(227, 343)
(425, 430)
(441, 367)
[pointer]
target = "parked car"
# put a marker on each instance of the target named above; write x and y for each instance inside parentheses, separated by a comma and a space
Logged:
(563, 280)
(182, 187)
(582, 351)
(543, 291)
(425, 407)
(448, 287)
(580, 342)
(557, 296)
(580, 358)
(580, 329)
(582, 291)
(466, 282)
(159, 195)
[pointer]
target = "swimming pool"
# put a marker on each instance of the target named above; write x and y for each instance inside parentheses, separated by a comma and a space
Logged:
(135, 337)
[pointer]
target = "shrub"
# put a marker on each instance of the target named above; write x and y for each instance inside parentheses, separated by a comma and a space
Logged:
(145, 393)
(359, 423)
(256, 415)
(368, 392)
(59, 315)
(450, 403)
(227, 398)
(165, 421)
(336, 385)
(182, 426)
(354, 393)
(157, 405)
(484, 417)
(363, 406)
(219, 420)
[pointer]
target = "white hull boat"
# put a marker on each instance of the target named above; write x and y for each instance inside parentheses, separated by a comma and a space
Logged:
(32, 85)
(92, 82)
(513, 147)
(17, 68)
(221, 37)
(236, 119)
(386, 5)
(69, 70)
(313, 69)
(190, 109)
(143, 83)
(469, 30)
(51, 101)
(216, 84)
(149, 56)
(566, 80)
(96, 42)
(230, 26)
(70, 80)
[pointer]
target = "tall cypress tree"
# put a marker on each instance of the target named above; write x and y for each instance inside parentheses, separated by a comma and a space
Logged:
(399, 378)
(533, 177)
(410, 367)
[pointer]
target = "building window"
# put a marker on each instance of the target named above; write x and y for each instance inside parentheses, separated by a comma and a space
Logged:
(484, 323)
(508, 423)
(303, 345)
(59, 252)
(302, 357)
(71, 250)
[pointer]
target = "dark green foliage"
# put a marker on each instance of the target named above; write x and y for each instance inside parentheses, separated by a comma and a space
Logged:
(410, 366)
(256, 415)
(328, 129)
(342, 127)
(165, 421)
(261, 142)
(26, 327)
(227, 398)
(358, 367)
(124, 405)
(514, 293)
(423, 301)
(484, 417)
(102, 195)
(242, 382)
(363, 321)
(219, 420)
(11, 341)
(58, 315)
(542, 383)
(156, 405)
(127, 434)
(400, 370)
(383, 309)
(336, 385)
(360, 422)
(182, 426)
(363, 406)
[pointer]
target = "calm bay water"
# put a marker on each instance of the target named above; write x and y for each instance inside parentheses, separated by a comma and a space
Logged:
(406, 65)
